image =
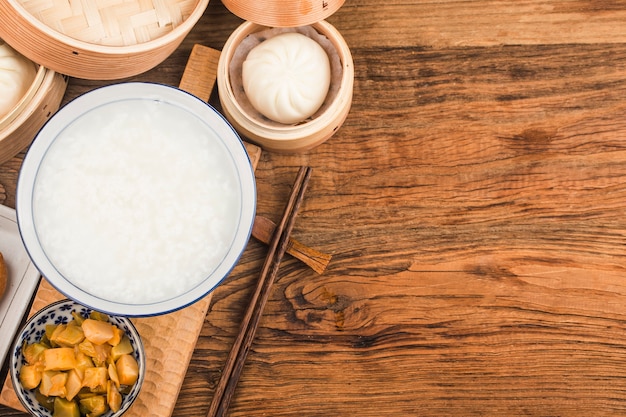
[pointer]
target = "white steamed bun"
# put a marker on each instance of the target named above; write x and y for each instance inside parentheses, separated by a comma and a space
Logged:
(286, 78)
(16, 76)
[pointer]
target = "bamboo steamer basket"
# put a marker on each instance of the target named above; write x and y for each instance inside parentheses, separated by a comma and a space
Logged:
(25, 100)
(98, 39)
(266, 14)
(283, 13)
(41, 101)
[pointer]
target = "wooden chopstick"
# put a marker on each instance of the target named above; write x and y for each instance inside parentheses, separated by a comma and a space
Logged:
(278, 245)
(264, 229)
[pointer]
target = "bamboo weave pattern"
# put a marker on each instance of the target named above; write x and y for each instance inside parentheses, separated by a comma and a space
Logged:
(111, 22)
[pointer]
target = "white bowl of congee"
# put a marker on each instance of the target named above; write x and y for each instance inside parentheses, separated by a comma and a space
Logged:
(136, 199)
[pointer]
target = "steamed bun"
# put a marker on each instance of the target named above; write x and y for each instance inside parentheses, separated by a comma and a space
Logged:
(16, 76)
(286, 77)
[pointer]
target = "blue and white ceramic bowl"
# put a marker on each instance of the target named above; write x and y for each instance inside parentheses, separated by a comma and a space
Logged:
(57, 313)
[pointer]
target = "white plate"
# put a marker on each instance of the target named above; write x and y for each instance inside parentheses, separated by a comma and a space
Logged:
(23, 279)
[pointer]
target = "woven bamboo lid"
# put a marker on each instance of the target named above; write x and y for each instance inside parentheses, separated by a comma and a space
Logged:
(113, 22)
(98, 39)
(283, 13)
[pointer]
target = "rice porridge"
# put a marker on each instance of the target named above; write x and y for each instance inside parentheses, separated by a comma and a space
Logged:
(136, 201)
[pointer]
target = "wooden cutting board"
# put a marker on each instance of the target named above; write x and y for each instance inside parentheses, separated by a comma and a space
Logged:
(168, 353)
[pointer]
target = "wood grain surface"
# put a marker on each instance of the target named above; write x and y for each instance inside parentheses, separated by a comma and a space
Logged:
(473, 203)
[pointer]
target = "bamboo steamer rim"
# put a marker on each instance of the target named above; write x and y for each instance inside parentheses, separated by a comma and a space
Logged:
(283, 13)
(288, 138)
(26, 98)
(155, 43)
(20, 131)
(47, 82)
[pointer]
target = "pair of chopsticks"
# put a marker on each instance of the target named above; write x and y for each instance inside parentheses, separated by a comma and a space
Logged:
(277, 248)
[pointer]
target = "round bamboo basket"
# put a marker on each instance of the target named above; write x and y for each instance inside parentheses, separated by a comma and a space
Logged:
(22, 124)
(25, 100)
(287, 138)
(99, 40)
(283, 13)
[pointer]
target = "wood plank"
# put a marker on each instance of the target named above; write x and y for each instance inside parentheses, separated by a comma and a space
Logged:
(201, 72)
(473, 205)
(446, 23)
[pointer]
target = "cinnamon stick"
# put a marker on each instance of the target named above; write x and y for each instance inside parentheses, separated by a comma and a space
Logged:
(241, 346)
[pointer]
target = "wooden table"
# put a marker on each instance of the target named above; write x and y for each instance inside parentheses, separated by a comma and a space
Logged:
(474, 203)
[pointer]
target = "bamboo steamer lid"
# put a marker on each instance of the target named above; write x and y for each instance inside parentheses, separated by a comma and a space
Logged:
(99, 40)
(266, 14)
(283, 13)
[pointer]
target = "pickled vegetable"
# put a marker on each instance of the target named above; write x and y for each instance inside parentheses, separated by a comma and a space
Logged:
(32, 352)
(50, 328)
(122, 348)
(97, 332)
(47, 402)
(99, 316)
(113, 375)
(114, 398)
(94, 406)
(73, 385)
(59, 359)
(127, 370)
(78, 319)
(30, 376)
(118, 334)
(53, 383)
(53, 331)
(103, 352)
(82, 368)
(82, 362)
(87, 348)
(65, 408)
(69, 335)
(96, 379)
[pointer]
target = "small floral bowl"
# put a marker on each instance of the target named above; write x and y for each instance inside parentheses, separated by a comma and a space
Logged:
(60, 312)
